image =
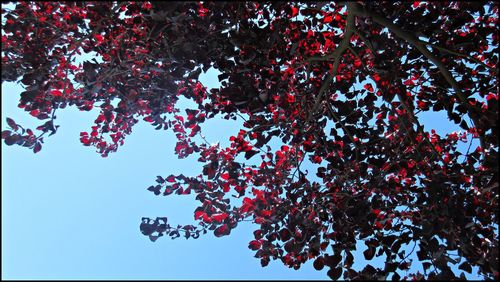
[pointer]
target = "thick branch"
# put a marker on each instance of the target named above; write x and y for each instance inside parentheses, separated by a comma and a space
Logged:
(336, 56)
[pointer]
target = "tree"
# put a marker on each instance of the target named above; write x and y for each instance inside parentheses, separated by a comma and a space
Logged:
(290, 70)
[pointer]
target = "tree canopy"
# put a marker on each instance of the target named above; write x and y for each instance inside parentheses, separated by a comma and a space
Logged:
(342, 86)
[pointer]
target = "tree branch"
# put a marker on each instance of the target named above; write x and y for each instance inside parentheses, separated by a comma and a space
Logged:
(336, 56)
(366, 41)
(493, 69)
(410, 38)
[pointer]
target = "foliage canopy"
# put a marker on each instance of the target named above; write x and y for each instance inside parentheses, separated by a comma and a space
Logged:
(340, 85)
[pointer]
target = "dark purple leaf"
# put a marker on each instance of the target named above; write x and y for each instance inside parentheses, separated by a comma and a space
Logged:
(37, 147)
(334, 273)
(12, 124)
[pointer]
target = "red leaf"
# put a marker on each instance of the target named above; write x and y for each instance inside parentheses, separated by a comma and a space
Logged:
(239, 189)
(225, 187)
(408, 82)
(317, 159)
(171, 178)
(248, 205)
(295, 11)
(254, 245)
(206, 218)
(257, 234)
(266, 213)
(225, 176)
(147, 5)
(179, 118)
(222, 230)
(491, 96)
(99, 38)
(323, 246)
(198, 215)
(284, 234)
(422, 104)
(328, 19)
(369, 87)
(219, 217)
(56, 93)
(259, 220)
(194, 130)
(35, 112)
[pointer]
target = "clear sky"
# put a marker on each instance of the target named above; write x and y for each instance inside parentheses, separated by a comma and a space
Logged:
(68, 213)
